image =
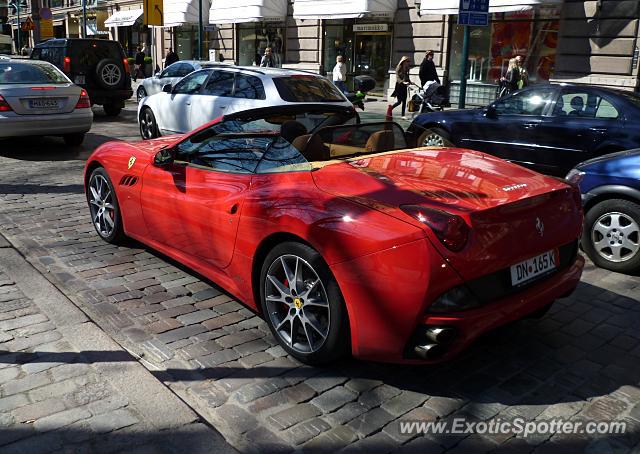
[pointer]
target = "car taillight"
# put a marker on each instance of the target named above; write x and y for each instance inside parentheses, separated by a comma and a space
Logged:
(67, 65)
(126, 65)
(84, 102)
(4, 105)
(451, 229)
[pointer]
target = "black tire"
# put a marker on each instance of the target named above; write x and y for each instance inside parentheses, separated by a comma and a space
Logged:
(111, 110)
(435, 137)
(140, 93)
(602, 223)
(337, 342)
(74, 140)
(148, 125)
(110, 74)
(116, 235)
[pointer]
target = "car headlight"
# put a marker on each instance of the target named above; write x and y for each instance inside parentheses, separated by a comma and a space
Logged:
(575, 176)
(454, 300)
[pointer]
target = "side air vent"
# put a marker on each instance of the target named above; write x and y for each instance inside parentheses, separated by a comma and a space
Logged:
(128, 180)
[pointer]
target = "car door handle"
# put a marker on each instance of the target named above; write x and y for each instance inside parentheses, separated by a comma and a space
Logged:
(529, 125)
(223, 107)
(188, 103)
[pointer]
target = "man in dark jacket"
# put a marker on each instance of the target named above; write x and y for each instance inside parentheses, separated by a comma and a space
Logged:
(171, 58)
(428, 70)
(139, 64)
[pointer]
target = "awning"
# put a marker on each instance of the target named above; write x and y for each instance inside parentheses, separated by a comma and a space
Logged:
(344, 9)
(239, 11)
(123, 18)
(185, 12)
(440, 7)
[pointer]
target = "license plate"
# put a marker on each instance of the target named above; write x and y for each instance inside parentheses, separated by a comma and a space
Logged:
(532, 268)
(79, 79)
(43, 103)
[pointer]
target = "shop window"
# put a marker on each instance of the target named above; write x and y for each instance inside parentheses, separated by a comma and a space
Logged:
(253, 39)
(338, 40)
(532, 34)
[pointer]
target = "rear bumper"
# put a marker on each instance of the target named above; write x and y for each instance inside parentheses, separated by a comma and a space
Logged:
(14, 125)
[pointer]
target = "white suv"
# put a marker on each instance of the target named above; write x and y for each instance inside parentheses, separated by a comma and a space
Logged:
(205, 95)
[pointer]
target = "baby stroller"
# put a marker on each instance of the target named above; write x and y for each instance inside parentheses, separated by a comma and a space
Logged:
(430, 98)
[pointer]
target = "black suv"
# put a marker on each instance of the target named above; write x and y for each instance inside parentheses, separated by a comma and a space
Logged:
(97, 65)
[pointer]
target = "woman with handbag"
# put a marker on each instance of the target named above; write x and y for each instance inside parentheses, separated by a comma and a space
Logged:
(402, 82)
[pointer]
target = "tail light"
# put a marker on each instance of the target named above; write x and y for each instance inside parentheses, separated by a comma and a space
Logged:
(67, 65)
(84, 102)
(451, 229)
(4, 105)
(125, 62)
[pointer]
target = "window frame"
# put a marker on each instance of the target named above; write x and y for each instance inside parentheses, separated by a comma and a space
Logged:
(579, 91)
(547, 111)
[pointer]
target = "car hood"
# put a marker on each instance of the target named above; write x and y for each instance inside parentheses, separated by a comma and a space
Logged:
(513, 213)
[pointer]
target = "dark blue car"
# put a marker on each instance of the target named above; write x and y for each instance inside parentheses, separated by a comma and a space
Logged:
(610, 188)
(549, 128)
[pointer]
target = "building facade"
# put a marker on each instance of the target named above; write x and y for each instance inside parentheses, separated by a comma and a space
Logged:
(592, 41)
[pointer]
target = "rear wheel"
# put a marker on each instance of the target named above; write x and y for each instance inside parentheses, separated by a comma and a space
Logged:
(111, 110)
(74, 140)
(303, 305)
(103, 204)
(148, 125)
(434, 137)
(141, 93)
(612, 235)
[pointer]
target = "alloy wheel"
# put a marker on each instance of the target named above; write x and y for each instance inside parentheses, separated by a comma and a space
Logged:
(147, 124)
(297, 303)
(111, 74)
(616, 237)
(103, 213)
(433, 140)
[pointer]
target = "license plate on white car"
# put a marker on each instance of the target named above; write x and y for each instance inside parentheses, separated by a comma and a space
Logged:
(79, 80)
(44, 103)
(534, 267)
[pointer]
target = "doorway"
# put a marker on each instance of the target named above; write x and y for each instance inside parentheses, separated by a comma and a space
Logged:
(372, 57)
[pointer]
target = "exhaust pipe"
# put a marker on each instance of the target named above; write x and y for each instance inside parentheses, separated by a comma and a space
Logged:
(428, 351)
(440, 335)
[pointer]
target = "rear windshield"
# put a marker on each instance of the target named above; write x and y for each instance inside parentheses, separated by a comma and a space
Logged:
(307, 89)
(26, 73)
(87, 54)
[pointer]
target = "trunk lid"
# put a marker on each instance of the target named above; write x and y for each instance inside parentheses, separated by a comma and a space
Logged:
(501, 202)
(41, 99)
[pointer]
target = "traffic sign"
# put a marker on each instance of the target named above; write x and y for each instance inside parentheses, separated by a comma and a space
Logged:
(153, 12)
(28, 25)
(474, 12)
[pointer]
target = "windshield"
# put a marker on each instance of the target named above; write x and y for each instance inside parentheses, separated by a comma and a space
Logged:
(30, 73)
(307, 89)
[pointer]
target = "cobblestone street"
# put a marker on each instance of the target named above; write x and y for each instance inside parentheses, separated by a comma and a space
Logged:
(579, 362)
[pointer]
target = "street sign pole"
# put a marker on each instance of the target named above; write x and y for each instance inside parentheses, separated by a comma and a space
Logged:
(463, 69)
(19, 49)
(84, 18)
(200, 31)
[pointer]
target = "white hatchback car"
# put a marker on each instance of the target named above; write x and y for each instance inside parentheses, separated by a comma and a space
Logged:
(37, 99)
(207, 94)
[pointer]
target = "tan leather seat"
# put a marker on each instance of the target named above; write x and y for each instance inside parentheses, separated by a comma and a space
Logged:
(380, 141)
(311, 147)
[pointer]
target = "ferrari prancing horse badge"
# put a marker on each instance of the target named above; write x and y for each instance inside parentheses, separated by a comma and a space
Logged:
(132, 161)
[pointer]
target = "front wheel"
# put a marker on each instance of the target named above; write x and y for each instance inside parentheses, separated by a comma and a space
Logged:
(148, 125)
(611, 237)
(141, 93)
(303, 305)
(434, 137)
(103, 204)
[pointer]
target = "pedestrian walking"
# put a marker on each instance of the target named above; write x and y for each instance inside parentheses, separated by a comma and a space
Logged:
(138, 64)
(402, 82)
(171, 58)
(267, 60)
(340, 74)
(428, 71)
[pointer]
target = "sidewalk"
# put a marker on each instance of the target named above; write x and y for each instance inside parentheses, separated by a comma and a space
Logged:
(65, 384)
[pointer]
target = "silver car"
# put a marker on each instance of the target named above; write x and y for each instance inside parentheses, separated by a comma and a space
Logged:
(170, 75)
(37, 99)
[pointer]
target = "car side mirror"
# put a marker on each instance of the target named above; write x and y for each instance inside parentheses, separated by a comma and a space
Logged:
(157, 75)
(168, 88)
(164, 157)
(491, 111)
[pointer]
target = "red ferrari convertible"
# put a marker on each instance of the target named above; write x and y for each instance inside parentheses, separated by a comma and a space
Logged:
(342, 237)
